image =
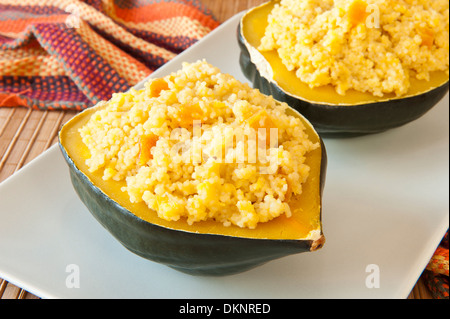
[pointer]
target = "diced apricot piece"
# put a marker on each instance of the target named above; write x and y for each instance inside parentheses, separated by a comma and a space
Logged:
(188, 113)
(357, 12)
(427, 36)
(146, 143)
(158, 85)
(261, 120)
(253, 119)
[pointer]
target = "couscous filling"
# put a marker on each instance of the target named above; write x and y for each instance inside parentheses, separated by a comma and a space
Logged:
(373, 46)
(199, 145)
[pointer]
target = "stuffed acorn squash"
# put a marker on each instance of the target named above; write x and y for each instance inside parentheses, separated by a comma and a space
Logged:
(207, 215)
(350, 111)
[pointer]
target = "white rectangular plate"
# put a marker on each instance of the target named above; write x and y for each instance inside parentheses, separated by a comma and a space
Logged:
(385, 209)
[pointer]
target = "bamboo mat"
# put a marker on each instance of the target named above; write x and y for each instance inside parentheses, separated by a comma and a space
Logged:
(26, 133)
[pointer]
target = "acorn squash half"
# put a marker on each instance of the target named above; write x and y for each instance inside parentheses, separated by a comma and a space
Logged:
(331, 114)
(204, 248)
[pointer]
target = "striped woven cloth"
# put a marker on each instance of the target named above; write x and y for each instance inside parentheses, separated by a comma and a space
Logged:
(436, 274)
(70, 54)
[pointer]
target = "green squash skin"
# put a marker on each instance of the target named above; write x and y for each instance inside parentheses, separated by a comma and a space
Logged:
(345, 120)
(191, 253)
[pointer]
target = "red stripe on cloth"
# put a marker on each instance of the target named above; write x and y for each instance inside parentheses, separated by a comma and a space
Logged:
(19, 26)
(164, 10)
(12, 99)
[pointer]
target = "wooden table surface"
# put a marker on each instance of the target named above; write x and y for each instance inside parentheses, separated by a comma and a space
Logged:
(26, 133)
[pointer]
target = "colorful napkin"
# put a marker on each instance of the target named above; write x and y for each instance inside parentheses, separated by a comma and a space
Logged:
(436, 273)
(70, 54)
